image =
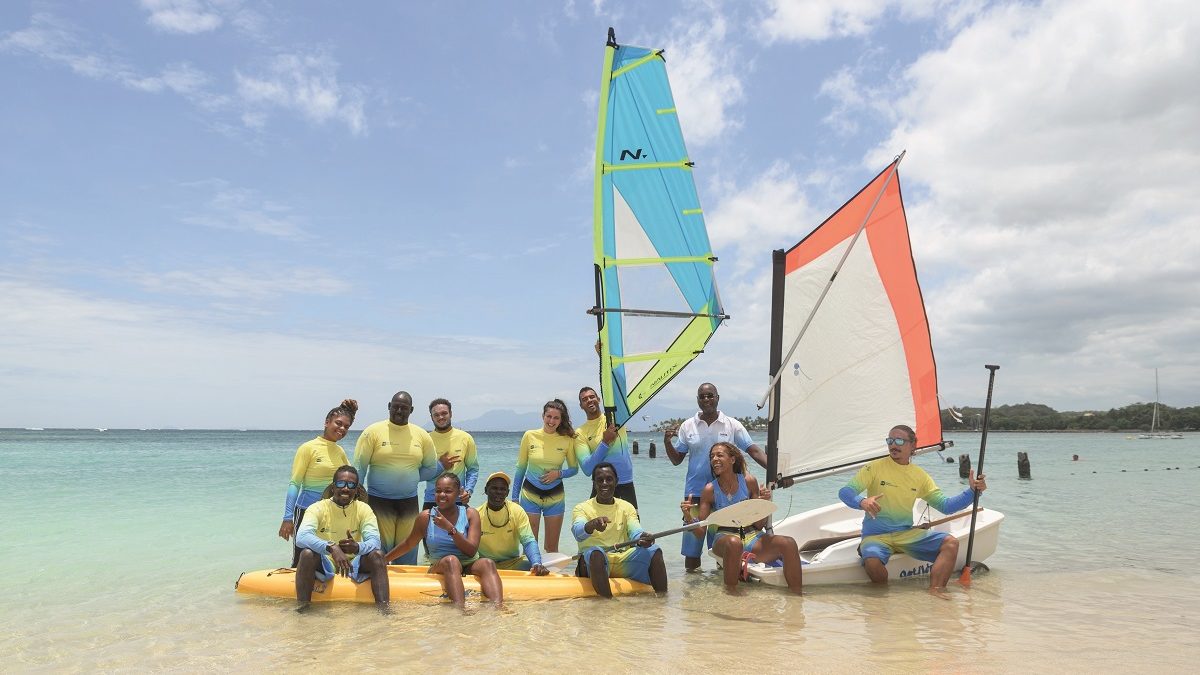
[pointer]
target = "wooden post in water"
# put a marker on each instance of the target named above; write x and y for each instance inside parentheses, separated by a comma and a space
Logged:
(1023, 465)
(635, 448)
(964, 466)
(653, 450)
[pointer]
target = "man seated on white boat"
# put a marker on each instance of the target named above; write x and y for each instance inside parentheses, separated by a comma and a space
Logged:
(324, 552)
(505, 530)
(893, 484)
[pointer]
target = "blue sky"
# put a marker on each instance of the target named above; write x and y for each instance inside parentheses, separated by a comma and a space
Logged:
(223, 213)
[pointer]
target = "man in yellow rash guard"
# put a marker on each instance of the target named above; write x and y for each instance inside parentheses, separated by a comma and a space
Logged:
(604, 521)
(893, 484)
(325, 552)
(455, 452)
(604, 444)
(393, 457)
(505, 530)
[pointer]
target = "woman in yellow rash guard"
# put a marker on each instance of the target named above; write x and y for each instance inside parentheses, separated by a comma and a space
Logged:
(543, 451)
(313, 468)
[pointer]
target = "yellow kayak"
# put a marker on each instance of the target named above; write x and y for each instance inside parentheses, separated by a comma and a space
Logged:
(412, 583)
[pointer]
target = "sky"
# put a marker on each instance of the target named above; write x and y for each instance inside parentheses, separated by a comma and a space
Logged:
(233, 214)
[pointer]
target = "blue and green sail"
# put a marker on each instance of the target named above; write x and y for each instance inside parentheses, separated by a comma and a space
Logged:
(656, 297)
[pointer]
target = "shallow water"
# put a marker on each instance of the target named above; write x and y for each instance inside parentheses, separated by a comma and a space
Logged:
(136, 538)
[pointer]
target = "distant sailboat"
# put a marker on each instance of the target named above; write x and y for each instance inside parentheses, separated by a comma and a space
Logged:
(1155, 434)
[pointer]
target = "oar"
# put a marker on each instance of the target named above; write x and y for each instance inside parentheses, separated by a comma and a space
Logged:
(965, 577)
(822, 544)
(742, 514)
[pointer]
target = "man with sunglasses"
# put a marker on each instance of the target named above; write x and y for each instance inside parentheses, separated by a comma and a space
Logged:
(892, 485)
(691, 441)
(325, 552)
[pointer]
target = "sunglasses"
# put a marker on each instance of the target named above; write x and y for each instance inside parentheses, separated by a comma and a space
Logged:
(352, 484)
(896, 441)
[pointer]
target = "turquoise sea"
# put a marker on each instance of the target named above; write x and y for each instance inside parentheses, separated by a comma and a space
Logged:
(127, 545)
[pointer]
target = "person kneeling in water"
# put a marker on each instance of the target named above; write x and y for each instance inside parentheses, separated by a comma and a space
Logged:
(605, 521)
(453, 542)
(343, 508)
(731, 484)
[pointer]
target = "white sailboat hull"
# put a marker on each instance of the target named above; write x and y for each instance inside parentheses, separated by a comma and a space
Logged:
(840, 563)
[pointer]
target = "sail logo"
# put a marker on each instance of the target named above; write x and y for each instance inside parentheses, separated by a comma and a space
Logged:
(919, 570)
(631, 154)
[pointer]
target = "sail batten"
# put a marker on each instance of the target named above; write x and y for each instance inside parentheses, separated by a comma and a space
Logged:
(656, 298)
(865, 362)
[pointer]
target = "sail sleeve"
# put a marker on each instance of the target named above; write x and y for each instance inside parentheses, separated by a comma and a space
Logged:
(656, 298)
(865, 362)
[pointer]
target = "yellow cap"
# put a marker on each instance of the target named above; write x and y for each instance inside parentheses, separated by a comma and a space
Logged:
(498, 474)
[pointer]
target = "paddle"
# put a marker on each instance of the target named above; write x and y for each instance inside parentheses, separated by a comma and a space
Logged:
(965, 577)
(742, 514)
(821, 544)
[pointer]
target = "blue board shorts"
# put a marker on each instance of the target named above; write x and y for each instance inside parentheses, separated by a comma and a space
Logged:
(693, 546)
(326, 571)
(920, 544)
(631, 563)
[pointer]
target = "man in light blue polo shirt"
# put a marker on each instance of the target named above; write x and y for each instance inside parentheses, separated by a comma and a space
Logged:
(692, 440)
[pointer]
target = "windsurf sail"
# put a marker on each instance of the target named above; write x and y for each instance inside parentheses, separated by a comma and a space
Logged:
(847, 308)
(656, 297)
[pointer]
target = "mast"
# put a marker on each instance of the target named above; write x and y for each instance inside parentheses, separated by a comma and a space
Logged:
(607, 394)
(778, 273)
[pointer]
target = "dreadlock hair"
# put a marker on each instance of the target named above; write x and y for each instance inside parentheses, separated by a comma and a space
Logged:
(347, 407)
(564, 424)
(739, 462)
(360, 494)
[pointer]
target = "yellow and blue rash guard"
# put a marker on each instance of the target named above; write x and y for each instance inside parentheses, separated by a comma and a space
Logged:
(591, 434)
(899, 487)
(623, 523)
(505, 534)
(455, 442)
(393, 459)
(312, 471)
(325, 523)
(541, 452)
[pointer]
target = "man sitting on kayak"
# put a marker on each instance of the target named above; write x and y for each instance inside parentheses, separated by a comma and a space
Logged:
(893, 484)
(505, 530)
(324, 552)
(605, 521)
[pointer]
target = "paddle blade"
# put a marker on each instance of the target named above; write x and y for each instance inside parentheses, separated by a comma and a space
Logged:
(742, 514)
(556, 562)
(965, 577)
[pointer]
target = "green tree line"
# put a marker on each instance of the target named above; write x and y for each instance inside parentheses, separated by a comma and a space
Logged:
(1038, 417)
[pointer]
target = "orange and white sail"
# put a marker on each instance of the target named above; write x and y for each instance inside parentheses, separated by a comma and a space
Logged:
(851, 351)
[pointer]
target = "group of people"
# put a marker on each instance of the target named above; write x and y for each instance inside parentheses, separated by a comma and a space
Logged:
(374, 501)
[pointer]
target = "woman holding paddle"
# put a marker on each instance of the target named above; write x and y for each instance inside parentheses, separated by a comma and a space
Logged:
(730, 485)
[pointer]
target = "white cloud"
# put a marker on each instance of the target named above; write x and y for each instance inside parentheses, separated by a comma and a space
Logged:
(307, 84)
(236, 284)
(704, 77)
(815, 20)
(233, 208)
(1056, 147)
(53, 39)
(183, 16)
(175, 368)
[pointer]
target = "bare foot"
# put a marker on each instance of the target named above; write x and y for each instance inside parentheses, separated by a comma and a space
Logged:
(939, 592)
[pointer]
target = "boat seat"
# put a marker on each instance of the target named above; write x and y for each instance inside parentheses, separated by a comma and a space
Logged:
(840, 528)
